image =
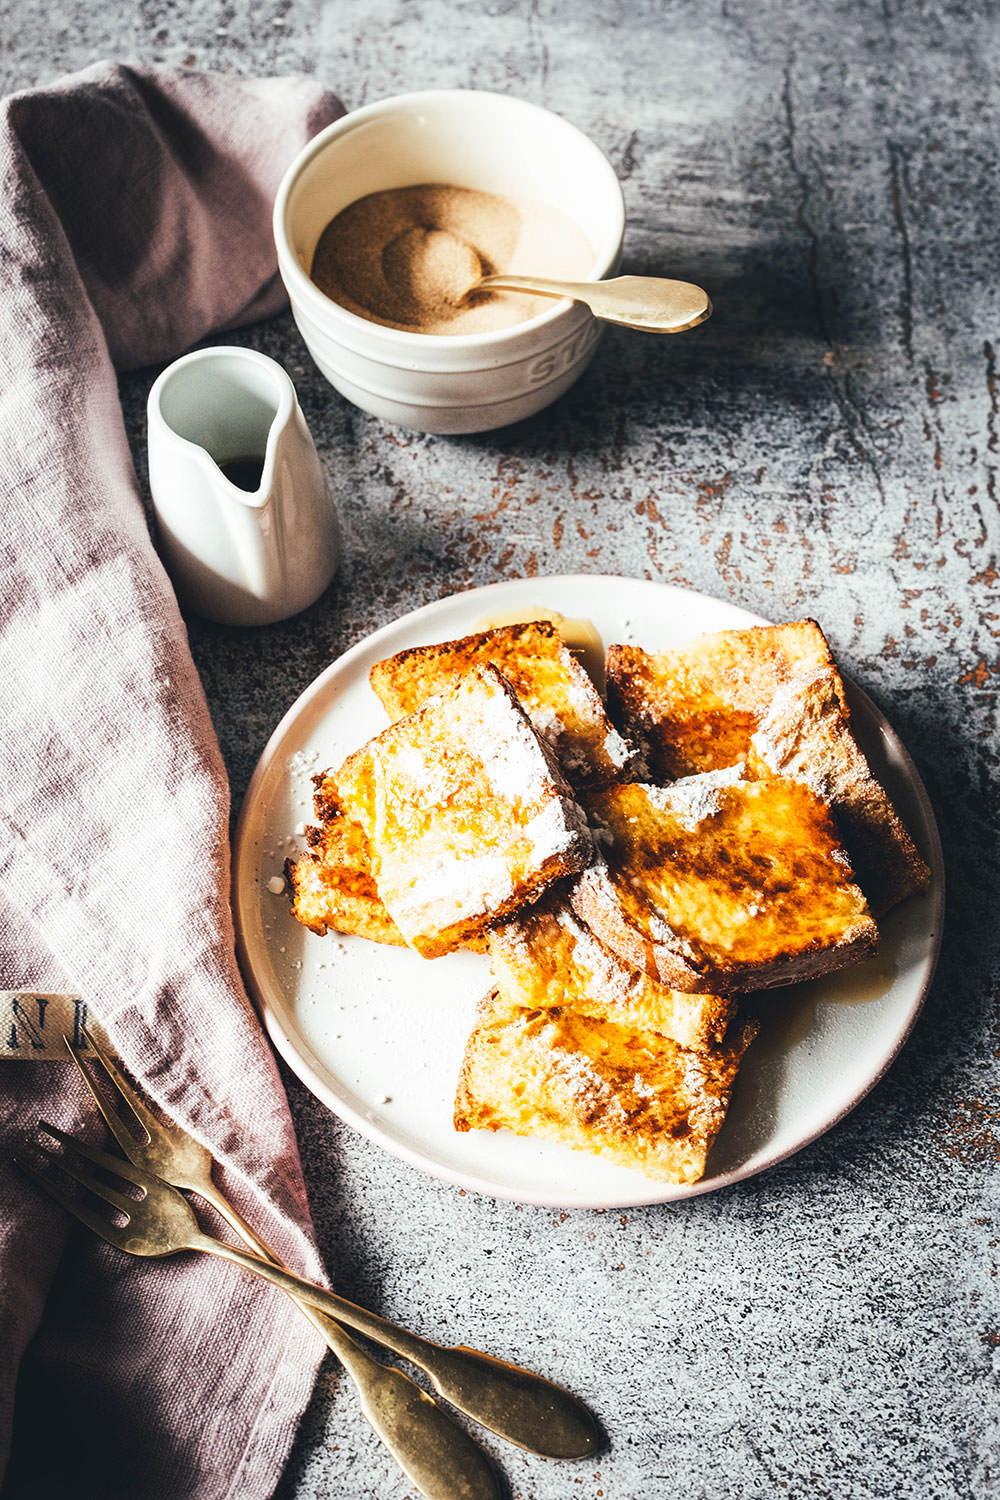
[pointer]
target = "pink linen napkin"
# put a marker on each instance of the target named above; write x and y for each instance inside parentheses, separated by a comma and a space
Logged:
(134, 220)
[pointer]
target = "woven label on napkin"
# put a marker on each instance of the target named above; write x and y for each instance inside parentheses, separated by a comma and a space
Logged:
(32, 1025)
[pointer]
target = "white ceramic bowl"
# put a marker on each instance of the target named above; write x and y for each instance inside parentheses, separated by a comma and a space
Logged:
(447, 383)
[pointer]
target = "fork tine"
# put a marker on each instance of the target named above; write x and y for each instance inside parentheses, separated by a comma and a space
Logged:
(84, 1211)
(79, 1173)
(132, 1097)
(116, 1078)
(81, 1210)
(114, 1122)
(114, 1164)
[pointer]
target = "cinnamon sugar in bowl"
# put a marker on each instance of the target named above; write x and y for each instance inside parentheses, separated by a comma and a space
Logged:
(473, 146)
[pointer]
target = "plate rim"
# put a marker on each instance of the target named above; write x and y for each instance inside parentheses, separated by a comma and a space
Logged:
(299, 1056)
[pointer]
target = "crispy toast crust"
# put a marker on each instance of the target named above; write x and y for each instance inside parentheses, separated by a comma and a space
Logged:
(331, 884)
(551, 685)
(695, 709)
(466, 812)
(631, 1096)
(721, 884)
(806, 734)
(546, 957)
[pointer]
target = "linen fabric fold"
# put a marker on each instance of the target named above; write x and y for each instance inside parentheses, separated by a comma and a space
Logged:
(134, 220)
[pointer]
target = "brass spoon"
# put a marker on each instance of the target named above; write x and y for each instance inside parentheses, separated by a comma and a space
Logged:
(652, 304)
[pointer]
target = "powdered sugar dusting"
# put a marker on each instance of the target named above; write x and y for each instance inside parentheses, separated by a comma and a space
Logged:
(569, 715)
(591, 1094)
(497, 734)
(694, 799)
(615, 748)
(547, 720)
(452, 888)
(551, 832)
(498, 817)
(595, 884)
(603, 970)
(483, 728)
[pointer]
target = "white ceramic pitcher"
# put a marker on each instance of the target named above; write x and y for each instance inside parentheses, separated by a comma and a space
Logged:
(238, 555)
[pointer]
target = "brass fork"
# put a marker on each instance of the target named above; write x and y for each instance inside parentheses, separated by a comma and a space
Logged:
(515, 1404)
(430, 1447)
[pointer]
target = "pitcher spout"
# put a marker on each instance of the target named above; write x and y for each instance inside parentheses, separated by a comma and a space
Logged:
(246, 520)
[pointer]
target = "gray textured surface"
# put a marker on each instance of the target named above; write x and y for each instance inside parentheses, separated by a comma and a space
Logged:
(828, 443)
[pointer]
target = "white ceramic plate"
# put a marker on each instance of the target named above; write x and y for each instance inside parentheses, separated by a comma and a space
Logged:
(377, 1033)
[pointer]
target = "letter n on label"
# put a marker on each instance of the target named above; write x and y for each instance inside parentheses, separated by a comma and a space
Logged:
(27, 1023)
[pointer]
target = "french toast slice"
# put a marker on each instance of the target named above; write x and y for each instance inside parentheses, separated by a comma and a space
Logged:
(551, 685)
(466, 813)
(545, 957)
(631, 1096)
(806, 734)
(695, 708)
(722, 884)
(332, 887)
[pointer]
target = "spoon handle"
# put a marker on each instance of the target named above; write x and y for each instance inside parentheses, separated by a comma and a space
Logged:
(516, 1404)
(652, 304)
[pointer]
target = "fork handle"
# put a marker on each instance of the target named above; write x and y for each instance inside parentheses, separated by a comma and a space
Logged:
(433, 1451)
(517, 1405)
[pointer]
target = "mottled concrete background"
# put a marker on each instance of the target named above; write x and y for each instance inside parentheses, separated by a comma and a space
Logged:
(827, 443)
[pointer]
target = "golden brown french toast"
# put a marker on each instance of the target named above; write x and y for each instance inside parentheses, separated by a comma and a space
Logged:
(612, 1025)
(695, 708)
(722, 884)
(332, 887)
(326, 798)
(806, 734)
(466, 813)
(545, 957)
(551, 685)
(331, 884)
(631, 1096)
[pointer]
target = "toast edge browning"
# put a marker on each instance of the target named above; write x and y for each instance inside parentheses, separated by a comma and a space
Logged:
(356, 781)
(595, 902)
(672, 1147)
